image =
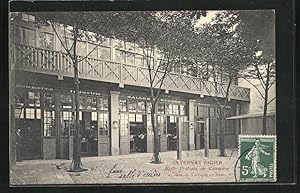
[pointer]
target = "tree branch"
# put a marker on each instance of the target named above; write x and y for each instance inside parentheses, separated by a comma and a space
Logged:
(255, 86)
(68, 51)
(271, 100)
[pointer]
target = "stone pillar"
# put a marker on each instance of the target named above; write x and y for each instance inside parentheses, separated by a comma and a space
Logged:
(191, 115)
(114, 122)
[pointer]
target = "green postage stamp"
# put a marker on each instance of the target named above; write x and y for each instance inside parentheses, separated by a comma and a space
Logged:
(257, 158)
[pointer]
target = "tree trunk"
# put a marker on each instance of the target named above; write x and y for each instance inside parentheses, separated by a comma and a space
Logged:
(156, 136)
(222, 132)
(264, 118)
(77, 151)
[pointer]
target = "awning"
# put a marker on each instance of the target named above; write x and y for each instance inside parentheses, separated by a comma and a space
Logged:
(252, 115)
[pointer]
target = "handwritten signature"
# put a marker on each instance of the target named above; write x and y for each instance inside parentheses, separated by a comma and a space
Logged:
(133, 173)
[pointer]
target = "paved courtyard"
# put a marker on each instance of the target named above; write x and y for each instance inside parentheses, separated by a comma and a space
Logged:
(133, 168)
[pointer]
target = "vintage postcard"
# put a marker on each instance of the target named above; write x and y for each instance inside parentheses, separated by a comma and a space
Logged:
(142, 97)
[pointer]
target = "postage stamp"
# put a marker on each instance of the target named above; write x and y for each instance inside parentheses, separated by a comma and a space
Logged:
(257, 155)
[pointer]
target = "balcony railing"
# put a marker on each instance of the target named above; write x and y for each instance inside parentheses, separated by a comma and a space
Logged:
(39, 60)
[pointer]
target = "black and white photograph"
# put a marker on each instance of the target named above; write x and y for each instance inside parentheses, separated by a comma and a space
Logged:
(142, 97)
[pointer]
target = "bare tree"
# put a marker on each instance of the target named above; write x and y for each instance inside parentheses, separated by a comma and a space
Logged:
(221, 60)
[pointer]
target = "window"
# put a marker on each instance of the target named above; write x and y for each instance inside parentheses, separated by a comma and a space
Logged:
(81, 48)
(66, 101)
(141, 107)
(26, 17)
(123, 105)
(103, 104)
(82, 102)
(149, 106)
(124, 124)
(103, 124)
(67, 123)
(28, 37)
(175, 109)
(131, 106)
(212, 112)
(49, 100)
(30, 114)
(91, 103)
(104, 53)
(120, 56)
(130, 58)
(46, 40)
(94, 116)
(138, 118)
(139, 60)
(131, 117)
(34, 99)
(92, 50)
(160, 108)
(202, 111)
(182, 110)
(185, 125)
(49, 123)
(19, 113)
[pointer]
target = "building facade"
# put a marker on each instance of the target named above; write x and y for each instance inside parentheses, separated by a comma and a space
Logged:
(114, 99)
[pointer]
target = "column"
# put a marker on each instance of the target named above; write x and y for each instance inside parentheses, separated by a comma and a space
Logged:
(191, 115)
(114, 122)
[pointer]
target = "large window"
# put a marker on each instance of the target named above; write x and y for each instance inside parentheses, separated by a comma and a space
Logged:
(49, 123)
(124, 124)
(67, 123)
(103, 124)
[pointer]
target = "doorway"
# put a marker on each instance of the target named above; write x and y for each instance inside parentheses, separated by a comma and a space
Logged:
(89, 133)
(30, 147)
(199, 135)
(138, 135)
(171, 133)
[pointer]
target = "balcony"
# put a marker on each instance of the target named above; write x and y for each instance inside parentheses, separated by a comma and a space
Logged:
(38, 60)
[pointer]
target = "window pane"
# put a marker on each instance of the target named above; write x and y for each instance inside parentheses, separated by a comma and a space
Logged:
(49, 100)
(139, 118)
(49, 123)
(141, 106)
(91, 103)
(205, 111)
(161, 108)
(29, 113)
(132, 117)
(103, 104)
(182, 110)
(38, 113)
(66, 101)
(175, 110)
(123, 105)
(132, 106)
